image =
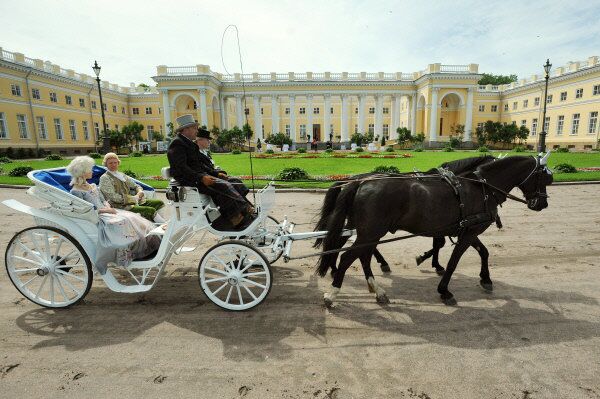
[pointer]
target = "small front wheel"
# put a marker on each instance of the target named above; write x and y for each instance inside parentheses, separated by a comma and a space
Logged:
(235, 275)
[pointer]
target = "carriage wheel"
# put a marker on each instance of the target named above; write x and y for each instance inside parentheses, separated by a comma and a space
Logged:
(266, 235)
(234, 275)
(48, 266)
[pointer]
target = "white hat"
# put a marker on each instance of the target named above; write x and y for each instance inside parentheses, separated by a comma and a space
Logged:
(185, 121)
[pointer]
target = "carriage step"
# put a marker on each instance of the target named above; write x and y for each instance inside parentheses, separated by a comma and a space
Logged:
(157, 231)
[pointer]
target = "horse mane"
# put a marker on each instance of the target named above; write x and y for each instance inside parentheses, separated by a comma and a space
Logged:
(467, 164)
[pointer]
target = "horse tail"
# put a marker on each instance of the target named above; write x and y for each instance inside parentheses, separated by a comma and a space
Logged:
(327, 209)
(335, 226)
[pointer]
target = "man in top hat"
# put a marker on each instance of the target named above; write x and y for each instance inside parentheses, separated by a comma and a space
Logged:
(188, 168)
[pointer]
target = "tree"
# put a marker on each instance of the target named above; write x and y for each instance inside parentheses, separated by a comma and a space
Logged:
(144, 86)
(459, 131)
(171, 134)
(489, 79)
(404, 135)
(522, 134)
(278, 139)
(117, 139)
(247, 131)
(133, 132)
(158, 136)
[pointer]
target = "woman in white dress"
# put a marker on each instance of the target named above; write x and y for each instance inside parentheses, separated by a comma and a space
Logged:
(122, 235)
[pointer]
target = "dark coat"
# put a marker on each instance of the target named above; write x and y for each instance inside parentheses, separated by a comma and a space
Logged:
(187, 167)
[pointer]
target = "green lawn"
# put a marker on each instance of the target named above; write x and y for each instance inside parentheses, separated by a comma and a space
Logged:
(323, 165)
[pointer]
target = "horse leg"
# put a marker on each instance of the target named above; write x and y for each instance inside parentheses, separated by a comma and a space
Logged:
(333, 268)
(385, 268)
(346, 260)
(486, 281)
(460, 248)
(380, 295)
(438, 243)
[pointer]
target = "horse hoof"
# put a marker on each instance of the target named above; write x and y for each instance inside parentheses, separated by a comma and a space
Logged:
(440, 271)
(419, 260)
(328, 302)
(382, 299)
(385, 268)
(449, 301)
(487, 286)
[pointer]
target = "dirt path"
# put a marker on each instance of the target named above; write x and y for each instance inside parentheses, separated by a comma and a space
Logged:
(536, 336)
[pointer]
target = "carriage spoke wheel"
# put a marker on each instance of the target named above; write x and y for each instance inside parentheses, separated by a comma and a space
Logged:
(264, 237)
(48, 267)
(235, 276)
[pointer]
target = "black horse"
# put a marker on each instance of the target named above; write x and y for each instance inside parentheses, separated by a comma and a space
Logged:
(431, 208)
(460, 167)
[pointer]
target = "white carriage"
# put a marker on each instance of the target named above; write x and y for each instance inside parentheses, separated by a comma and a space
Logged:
(51, 263)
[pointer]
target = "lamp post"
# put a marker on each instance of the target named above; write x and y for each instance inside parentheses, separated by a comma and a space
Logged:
(542, 148)
(105, 138)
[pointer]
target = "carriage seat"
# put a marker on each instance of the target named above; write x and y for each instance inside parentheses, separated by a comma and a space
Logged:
(190, 196)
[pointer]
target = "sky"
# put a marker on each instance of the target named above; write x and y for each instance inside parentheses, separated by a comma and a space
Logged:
(129, 38)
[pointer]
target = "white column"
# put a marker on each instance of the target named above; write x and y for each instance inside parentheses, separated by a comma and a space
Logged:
(258, 133)
(395, 115)
(239, 112)
(361, 113)
(413, 114)
(166, 109)
(433, 120)
(309, 116)
(327, 115)
(344, 124)
(293, 117)
(223, 113)
(275, 114)
(469, 116)
(378, 115)
(203, 112)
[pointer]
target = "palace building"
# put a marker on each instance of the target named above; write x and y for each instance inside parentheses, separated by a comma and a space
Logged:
(45, 106)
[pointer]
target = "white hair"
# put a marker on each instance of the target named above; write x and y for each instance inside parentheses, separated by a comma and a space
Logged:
(110, 155)
(78, 167)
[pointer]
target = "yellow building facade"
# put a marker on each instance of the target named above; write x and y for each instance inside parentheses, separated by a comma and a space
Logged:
(45, 106)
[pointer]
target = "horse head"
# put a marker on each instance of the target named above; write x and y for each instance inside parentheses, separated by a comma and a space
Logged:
(534, 185)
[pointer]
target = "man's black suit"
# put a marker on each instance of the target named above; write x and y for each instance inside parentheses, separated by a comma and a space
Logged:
(188, 167)
(210, 165)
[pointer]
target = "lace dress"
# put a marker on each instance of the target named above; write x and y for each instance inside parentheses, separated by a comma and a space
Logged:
(121, 236)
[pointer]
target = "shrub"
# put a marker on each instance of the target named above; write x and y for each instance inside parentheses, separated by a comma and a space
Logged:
(561, 149)
(21, 153)
(483, 149)
(30, 153)
(292, 174)
(269, 152)
(136, 154)
(418, 149)
(41, 153)
(5, 160)
(130, 173)
(519, 148)
(448, 149)
(565, 168)
(95, 155)
(329, 150)
(54, 157)
(301, 150)
(237, 152)
(358, 149)
(20, 171)
(386, 169)
(389, 148)
(10, 153)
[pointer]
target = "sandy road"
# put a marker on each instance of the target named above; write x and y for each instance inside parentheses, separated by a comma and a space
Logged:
(536, 336)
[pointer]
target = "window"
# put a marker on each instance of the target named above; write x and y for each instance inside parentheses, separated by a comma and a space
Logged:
(115, 109)
(22, 122)
(579, 93)
(135, 111)
(93, 104)
(53, 97)
(68, 100)
(81, 102)
(525, 103)
(302, 131)
(575, 124)
(482, 108)
(123, 110)
(302, 110)
(356, 110)
(560, 125)
(563, 96)
(386, 129)
(97, 130)
(35, 93)
(58, 129)
(316, 110)
(549, 99)
(331, 129)
(480, 125)
(41, 127)
(371, 128)
(506, 107)
(524, 122)
(534, 127)
(105, 106)
(536, 101)
(148, 110)
(86, 130)
(262, 110)
(494, 108)
(355, 128)
(3, 129)
(515, 104)
(150, 132)
(596, 90)
(73, 130)
(386, 110)
(287, 111)
(331, 110)
(593, 122)
(371, 110)
(247, 111)
(194, 105)
(287, 128)
(15, 90)
(546, 124)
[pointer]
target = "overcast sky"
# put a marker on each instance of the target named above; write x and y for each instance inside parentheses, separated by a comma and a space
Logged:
(129, 38)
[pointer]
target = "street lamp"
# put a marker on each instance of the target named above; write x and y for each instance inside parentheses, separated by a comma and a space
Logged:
(542, 148)
(105, 138)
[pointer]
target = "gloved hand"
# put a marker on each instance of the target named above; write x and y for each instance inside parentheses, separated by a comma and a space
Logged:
(208, 180)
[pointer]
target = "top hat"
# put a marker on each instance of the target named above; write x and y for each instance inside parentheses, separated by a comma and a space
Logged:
(203, 133)
(185, 121)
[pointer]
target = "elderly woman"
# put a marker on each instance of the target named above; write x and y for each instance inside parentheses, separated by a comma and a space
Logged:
(122, 235)
(117, 188)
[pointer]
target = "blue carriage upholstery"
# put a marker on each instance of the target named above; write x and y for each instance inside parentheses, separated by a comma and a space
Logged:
(60, 178)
